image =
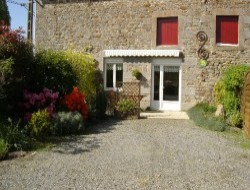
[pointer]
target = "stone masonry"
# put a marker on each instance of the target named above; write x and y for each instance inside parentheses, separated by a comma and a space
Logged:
(131, 24)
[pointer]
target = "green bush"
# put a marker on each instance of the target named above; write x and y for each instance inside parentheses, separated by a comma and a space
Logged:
(126, 109)
(65, 123)
(101, 104)
(126, 106)
(5, 77)
(54, 71)
(3, 148)
(13, 135)
(16, 55)
(84, 68)
(228, 91)
(235, 119)
(39, 125)
(203, 115)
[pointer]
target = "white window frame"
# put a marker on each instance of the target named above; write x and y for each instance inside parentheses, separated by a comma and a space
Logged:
(114, 62)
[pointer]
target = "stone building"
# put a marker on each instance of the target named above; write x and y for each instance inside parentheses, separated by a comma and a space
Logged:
(158, 37)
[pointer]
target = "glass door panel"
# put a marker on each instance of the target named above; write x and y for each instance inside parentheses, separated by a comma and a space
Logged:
(156, 83)
(171, 83)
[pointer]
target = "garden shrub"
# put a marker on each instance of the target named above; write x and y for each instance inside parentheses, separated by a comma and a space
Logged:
(39, 125)
(126, 108)
(84, 67)
(228, 92)
(35, 101)
(67, 123)
(101, 104)
(6, 72)
(3, 148)
(203, 115)
(54, 71)
(13, 135)
(75, 101)
(14, 46)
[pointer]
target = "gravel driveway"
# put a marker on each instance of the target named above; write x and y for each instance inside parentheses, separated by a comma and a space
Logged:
(136, 154)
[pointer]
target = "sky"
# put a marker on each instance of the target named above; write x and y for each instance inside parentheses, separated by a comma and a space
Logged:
(18, 15)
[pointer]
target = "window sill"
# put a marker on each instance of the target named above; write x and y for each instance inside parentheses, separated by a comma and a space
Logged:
(227, 45)
(167, 46)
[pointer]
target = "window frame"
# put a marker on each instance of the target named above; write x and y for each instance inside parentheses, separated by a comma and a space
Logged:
(226, 44)
(114, 75)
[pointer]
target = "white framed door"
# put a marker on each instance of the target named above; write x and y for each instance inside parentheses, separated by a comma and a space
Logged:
(166, 87)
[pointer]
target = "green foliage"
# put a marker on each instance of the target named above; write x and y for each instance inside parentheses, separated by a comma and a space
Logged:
(54, 71)
(101, 104)
(126, 106)
(15, 138)
(15, 50)
(3, 148)
(6, 72)
(203, 115)
(228, 90)
(235, 119)
(84, 68)
(4, 12)
(136, 73)
(65, 123)
(39, 125)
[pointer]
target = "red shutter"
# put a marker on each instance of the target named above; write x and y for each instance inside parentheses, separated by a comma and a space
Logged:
(167, 31)
(227, 29)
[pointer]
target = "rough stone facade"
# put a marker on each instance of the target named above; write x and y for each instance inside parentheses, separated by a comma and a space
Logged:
(131, 24)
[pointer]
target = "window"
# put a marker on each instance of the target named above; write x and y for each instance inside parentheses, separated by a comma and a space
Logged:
(227, 30)
(114, 74)
(167, 31)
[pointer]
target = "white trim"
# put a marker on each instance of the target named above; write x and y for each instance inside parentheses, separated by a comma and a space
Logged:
(161, 104)
(225, 44)
(141, 53)
(114, 75)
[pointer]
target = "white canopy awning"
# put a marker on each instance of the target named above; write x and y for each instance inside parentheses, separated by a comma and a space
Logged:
(141, 53)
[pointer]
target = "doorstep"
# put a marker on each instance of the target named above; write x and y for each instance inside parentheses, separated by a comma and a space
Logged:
(164, 115)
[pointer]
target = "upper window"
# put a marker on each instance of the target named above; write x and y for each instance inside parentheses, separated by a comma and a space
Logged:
(167, 31)
(114, 74)
(227, 31)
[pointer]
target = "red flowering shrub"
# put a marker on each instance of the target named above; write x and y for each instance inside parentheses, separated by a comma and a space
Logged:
(11, 39)
(75, 101)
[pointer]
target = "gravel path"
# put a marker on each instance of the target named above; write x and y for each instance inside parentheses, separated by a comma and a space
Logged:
(138, 154)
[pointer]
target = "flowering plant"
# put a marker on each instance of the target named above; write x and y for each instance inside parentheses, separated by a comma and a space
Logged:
(43, 100)
(10, 38)
(75, 101)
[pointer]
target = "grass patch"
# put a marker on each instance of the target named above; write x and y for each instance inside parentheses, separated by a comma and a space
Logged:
(3, 148)
(239, 138)
(203, 115)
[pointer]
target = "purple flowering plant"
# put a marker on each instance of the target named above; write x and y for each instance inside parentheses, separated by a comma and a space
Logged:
(35, 101)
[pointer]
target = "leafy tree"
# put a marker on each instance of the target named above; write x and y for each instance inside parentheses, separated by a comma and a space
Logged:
(4, 12)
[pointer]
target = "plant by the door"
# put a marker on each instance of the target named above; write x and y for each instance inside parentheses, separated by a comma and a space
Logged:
(137, 74)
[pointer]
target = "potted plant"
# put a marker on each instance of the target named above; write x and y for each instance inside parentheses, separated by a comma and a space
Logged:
(126, 109)
(137, 74)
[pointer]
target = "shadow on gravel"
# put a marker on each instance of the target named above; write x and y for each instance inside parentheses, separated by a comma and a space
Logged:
(76, 145)
(86, 142)
(104, 126)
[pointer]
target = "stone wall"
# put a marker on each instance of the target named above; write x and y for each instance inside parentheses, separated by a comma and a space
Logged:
(131, 24)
